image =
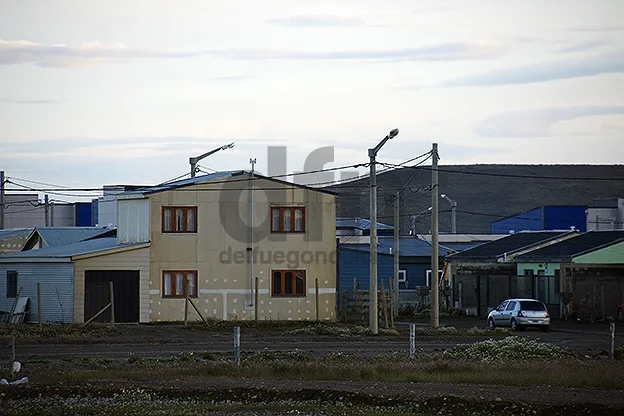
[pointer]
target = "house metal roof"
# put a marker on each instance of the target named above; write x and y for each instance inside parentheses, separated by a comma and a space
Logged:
(575, 246)
(197, 180)
(408, 247)
(13, 239)
(66, 251)
(360, 223)
(58, 236)
(507, 245)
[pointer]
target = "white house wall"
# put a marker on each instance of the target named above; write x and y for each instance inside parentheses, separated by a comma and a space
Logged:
(134, 220)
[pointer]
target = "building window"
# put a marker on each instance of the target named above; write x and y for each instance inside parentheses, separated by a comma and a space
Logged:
(402, 276)
(288, 283)
(287, 219)
(11, 284)
(179, 219)
(179, 283)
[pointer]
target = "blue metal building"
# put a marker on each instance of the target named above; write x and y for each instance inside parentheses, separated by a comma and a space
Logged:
(544, 218)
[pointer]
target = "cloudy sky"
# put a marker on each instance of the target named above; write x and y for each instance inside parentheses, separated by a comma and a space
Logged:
(107, 92)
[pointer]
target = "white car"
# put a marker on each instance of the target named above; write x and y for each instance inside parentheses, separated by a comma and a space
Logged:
(519, 314)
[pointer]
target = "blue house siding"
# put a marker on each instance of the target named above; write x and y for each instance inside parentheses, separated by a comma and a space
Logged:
(564, 217)
(57, 289)
(527, 221)
(355, 265)
(415, 274)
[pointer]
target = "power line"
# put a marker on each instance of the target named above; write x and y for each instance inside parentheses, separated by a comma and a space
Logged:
(37, 182)
(504, 175)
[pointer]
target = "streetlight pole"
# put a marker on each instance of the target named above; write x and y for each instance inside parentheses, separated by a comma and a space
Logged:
(194, 160)
(453, 213)
(372, 308)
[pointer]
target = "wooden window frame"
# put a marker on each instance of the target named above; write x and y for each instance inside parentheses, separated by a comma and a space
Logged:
(174, 209)
(293, 221)
(283, 293)
(11, 275)
(173, 284)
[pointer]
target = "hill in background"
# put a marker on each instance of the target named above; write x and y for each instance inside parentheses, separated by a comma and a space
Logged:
(484, 193)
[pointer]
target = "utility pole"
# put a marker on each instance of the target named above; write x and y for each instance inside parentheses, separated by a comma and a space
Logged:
(373, 313)
(252, 161)
(435, 308)
(396, 254)
(2, 204)
(47, 210)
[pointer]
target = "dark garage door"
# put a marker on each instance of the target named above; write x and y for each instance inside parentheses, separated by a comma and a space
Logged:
(125, 291)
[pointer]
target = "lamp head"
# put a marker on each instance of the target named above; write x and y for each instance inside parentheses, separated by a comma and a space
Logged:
(227, 146)
(443, 196)
(393, 133)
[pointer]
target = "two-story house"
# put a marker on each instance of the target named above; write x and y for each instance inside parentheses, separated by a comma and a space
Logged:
(236, 243)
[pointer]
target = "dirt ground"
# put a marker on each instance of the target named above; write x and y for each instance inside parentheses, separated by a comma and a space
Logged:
(258, 396)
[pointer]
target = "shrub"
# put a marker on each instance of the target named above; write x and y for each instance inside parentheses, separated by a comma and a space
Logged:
(510, 348)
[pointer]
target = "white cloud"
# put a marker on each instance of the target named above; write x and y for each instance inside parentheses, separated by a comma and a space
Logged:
(538, 122)
(545, 71)
(317, 20)
(25, 52)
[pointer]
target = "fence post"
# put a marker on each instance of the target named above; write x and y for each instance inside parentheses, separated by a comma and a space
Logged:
(256, 300)
(392, 302)
(384, 305)
(186, 302)
(412, 340)
(611, 340)
(237, 345)
(12, 359)
(345, 306)
(112, 304)
(39, 312)
(317, 298)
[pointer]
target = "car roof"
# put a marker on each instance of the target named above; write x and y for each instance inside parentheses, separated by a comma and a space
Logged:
(522, 300)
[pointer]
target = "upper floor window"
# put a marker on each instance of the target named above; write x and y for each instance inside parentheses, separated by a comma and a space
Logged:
(179, 283)
(179, 219)
(287, 219)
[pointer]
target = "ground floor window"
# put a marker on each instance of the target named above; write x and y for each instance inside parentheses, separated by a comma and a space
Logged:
(288, 283)
(179, 283)
(11, 284)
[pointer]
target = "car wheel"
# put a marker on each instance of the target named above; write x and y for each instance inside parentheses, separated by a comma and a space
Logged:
(514, 325)
(491, 324)
(620, 315)
(545, 328)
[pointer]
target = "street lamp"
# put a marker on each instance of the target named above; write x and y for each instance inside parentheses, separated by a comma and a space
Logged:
(194, 160)
(372, 309)
(453, 213)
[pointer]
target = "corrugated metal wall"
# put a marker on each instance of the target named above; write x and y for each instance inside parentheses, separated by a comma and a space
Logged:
(57, 289)
(134, 221)
(562, 218)
(526, 221)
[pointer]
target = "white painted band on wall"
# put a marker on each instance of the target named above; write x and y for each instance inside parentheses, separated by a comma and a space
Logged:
(322, 290)
(231, 291)
(154, 291)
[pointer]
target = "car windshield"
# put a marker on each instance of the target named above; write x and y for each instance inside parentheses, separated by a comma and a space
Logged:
(532, 305)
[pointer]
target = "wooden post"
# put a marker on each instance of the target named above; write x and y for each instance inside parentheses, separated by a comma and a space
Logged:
(112, 304)
(602, 301)
(186, 302)
(392, 302)
(384, 305)
(317, 298)
(412, 340)
(345, 305)
(256, 300)
(12, 359)
(611, 340)
(237, 345)
(39, 312)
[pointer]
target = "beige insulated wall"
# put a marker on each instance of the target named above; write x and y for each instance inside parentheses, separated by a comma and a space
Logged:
(218, 252)
(132, 259)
